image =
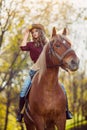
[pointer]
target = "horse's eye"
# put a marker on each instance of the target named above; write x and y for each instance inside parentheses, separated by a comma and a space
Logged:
(57, 46)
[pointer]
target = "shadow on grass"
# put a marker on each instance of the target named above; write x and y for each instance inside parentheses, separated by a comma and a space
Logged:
(82, 127)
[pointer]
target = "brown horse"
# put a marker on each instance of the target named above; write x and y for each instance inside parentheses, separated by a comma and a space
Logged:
(46, 106)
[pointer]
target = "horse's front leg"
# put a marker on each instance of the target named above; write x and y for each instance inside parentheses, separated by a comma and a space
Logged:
(61, 122)
(28, 123)
(50, 126)
(30, 126)
(39, 122)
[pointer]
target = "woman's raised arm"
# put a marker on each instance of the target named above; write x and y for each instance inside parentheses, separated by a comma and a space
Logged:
(26, 34)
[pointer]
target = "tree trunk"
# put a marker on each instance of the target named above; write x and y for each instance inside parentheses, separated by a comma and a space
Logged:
(1, 39)
(7, 113)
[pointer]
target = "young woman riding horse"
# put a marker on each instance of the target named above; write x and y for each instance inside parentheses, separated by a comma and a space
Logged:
(35, 48)
(46, 106)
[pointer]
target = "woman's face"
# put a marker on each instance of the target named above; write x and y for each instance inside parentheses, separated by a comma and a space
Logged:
(35, 33)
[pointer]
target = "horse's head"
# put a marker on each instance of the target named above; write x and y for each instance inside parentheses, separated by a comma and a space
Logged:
(61, 52)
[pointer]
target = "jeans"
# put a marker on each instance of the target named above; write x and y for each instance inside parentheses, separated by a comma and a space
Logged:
(27, 83)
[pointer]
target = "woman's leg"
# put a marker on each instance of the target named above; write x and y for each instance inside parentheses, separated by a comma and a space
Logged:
(25, 88)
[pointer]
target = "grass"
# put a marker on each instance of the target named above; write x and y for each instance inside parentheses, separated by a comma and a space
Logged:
(75, 122)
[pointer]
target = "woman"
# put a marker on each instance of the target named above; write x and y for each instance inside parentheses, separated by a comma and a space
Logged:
(35, 48)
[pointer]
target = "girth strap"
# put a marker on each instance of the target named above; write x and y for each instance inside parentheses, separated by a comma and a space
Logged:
(27, 111)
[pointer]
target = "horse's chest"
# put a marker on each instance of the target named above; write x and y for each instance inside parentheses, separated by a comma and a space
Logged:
(51, 103)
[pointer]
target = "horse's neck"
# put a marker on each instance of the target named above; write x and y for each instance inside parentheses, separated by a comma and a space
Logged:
(50, 78)
(48, 71)
(52, 73)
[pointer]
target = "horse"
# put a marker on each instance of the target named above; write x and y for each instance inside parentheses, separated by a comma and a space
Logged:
(46, 104)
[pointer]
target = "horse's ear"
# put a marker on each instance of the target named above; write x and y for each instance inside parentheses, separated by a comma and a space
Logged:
(53, 32)
(65, 31)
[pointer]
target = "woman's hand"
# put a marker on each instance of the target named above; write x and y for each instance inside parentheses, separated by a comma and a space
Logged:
(26, 34)
(26, 31)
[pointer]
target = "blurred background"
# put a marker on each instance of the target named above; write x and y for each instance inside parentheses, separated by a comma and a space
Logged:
(15, 17)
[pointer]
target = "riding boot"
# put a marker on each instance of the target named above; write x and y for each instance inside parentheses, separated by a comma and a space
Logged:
(68, 113)
(21, 105)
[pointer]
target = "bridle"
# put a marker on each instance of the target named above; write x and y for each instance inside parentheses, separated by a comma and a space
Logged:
(52, 51)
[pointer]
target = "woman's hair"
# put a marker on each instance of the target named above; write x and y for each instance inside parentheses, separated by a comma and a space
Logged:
(41, 40)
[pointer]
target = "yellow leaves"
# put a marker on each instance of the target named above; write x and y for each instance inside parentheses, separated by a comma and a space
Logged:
(20, 23)
(4, 65)
(2, 112)
(85, 18)
(10, 27)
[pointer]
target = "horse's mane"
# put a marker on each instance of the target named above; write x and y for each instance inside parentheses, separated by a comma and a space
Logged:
(42, 61)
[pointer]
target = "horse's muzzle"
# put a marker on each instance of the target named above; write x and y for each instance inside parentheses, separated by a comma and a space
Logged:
(73, 64)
